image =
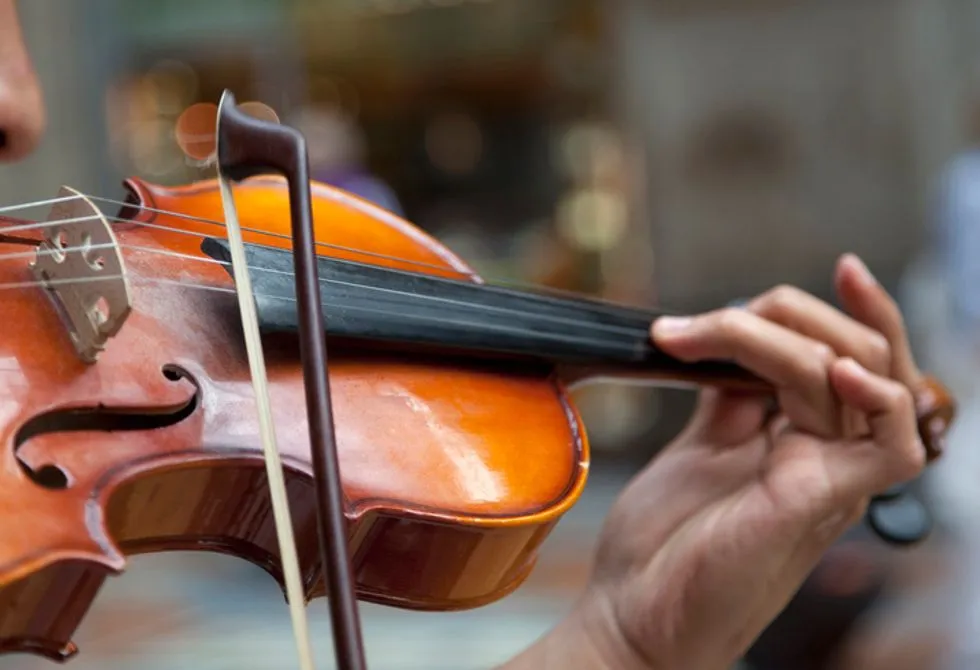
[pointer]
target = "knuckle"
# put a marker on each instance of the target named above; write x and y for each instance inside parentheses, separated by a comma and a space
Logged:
(816, 365)
(732, 322)
(823, 354)
(900, 399)
(879, 354)
(910, 456)
(780, 300)
(910, 460)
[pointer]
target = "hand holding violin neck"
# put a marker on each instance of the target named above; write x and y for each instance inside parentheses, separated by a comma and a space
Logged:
(584, 338)
(370, 304)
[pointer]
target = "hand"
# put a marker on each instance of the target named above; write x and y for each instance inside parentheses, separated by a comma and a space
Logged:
(708, 544)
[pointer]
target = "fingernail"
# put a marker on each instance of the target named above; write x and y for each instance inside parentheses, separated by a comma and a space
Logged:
(864, 274)
(670, 325)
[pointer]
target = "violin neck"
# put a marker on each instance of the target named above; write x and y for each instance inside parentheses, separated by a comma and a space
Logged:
(583, 338)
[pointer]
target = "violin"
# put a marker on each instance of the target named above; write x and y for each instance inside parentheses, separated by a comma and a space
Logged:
(166, 386)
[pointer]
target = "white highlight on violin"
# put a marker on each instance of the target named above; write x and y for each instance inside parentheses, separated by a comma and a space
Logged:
(273, 463)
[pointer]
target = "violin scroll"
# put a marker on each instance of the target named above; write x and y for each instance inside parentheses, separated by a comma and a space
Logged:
(936, 411)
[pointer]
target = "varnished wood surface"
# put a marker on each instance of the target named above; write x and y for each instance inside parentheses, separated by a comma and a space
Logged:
(453, 473)
(210, 612)
(345, 225)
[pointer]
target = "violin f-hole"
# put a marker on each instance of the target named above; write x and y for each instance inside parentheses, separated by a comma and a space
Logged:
(98, 418)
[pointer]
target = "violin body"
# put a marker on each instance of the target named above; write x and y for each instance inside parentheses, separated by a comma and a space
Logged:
(454, 470)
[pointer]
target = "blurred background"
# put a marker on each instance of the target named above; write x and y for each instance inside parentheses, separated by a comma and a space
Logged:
(680, 153)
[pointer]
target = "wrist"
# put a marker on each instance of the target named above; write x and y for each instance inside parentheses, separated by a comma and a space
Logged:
(596, 622)
(588, 638)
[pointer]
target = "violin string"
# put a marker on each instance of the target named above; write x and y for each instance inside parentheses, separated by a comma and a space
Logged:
(199, 219)
(422, 319)
(37, 203)
(585, 325)
(42, 225)
(544, 290)
(623, 330)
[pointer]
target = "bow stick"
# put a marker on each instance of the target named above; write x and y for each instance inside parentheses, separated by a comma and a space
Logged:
(248, 146)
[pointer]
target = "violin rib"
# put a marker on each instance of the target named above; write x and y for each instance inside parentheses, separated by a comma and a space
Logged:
(450, 487)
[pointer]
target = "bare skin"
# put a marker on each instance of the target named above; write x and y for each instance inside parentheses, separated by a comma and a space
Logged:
(708, 543)
(22, 115)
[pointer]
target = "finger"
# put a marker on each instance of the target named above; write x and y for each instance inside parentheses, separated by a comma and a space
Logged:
(790, 361)
(893, 453)
(810, 316)
(779, 355)
(728, 417)
(868, 302)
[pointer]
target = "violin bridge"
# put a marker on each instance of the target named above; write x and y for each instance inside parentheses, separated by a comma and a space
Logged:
(80, 266)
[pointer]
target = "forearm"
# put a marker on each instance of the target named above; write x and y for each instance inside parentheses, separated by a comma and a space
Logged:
(558, 651)
(584, 640)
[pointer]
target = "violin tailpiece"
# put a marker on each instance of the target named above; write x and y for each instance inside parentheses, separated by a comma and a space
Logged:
(80, 267)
